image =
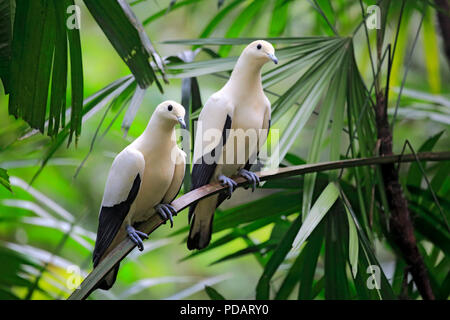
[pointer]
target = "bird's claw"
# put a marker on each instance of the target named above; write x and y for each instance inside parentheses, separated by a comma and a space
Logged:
(135, 236)
(251, 177)
(230, 183)
(166, 211)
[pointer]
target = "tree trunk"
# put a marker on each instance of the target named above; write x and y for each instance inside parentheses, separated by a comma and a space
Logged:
(401, 226)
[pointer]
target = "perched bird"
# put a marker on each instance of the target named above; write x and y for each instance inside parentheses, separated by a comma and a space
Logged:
(241, 106)
(143, 180)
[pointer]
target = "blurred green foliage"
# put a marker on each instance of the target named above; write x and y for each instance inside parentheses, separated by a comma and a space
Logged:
(48, 228)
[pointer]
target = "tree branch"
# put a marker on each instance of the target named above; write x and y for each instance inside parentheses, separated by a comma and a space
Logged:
(400, 222)
(125, 247)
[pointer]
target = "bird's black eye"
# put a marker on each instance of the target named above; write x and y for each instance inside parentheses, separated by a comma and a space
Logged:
(170, 107)
(258, 46)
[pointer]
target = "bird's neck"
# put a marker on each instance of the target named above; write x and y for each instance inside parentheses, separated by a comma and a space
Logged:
(158, 135)
(246, 76)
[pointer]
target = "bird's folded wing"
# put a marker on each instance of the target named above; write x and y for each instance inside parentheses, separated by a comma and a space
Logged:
(213, 128)
(122, 187)
(177, 180)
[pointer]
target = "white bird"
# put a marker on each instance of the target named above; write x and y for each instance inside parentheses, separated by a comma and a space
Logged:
(240, 104)
(143, 180)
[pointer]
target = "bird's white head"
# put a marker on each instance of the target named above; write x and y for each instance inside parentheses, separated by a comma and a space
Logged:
(171, 111)
(260, 51)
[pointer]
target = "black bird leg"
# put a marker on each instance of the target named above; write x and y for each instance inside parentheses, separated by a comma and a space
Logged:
(251, 177)
(135, 236)
(230, 183)
(166, 211)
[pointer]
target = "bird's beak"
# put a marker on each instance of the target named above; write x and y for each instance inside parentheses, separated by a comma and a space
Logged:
(273, 58)
(182, 123)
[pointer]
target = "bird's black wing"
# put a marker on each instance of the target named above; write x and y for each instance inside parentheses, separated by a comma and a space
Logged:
(110, 220)
(202, 171)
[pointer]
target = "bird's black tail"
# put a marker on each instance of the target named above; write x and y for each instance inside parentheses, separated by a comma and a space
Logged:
(108, 281)
(200, 234)
(201, 225)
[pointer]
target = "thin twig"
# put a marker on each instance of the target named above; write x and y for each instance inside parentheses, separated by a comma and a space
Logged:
(397, 32)
(424, 174)
(363, 21)
(408, 64)
(368, 41)
(316, 6)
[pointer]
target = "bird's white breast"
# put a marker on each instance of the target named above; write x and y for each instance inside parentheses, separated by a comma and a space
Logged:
(158, 174)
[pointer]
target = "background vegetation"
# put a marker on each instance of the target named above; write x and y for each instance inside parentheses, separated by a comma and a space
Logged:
(325, 92)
